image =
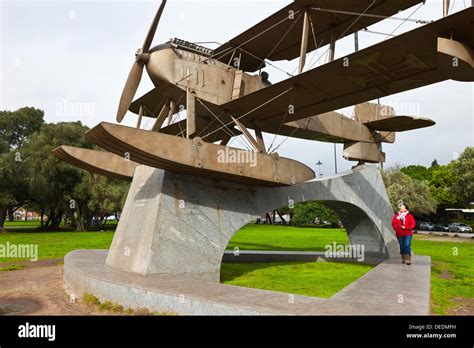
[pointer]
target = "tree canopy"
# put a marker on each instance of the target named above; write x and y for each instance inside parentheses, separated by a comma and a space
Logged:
(15, 128)
(402, 188)
(31, 176)
(417, 172)
(425, 188)
(463, 171)
(308, 212)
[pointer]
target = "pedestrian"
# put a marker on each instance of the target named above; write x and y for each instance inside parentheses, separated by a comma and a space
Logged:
(403, 223)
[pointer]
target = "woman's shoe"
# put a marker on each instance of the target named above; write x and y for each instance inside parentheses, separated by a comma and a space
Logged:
(403, 258)
(408, 260)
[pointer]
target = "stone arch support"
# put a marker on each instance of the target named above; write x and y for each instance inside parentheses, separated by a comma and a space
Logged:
(181, 224)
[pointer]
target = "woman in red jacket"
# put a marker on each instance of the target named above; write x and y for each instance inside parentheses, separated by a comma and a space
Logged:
(403, 223)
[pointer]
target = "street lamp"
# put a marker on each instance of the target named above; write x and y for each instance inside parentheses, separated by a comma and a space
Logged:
(319, 164)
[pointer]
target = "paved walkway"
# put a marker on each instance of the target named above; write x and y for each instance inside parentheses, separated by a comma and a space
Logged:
(37, 290)
(390, 288)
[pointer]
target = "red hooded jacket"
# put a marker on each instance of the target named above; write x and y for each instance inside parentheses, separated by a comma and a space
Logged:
(409, 224)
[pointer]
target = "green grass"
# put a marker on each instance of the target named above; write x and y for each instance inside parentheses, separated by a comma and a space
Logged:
(110, 307)
(29, 226)
(53, 245)
(452, 276)
(12, 268)
(90, 300)
(268, 237)
(21, 223)
(320, 279)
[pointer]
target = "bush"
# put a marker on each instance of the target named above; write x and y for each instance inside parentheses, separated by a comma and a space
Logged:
(306, 213)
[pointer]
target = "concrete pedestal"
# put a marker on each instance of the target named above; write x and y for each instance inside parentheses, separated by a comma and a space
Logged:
(179, 224)
(381, 291)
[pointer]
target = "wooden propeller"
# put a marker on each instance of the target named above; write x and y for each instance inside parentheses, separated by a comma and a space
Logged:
(142, 57)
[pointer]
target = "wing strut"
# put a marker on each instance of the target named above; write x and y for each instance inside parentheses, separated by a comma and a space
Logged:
(304, 41)
(164, 113)
(256, 144)
(140, 116)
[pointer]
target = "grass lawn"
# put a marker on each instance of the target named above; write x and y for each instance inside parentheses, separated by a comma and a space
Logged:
(452, 275)
(320, 279)
(452, 262)
(452, 272)
(21, 223)
(32, 225)
(53, 245)
(268, 237)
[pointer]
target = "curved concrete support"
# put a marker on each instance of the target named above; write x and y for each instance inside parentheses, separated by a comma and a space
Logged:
(180, 224)
(358, 197)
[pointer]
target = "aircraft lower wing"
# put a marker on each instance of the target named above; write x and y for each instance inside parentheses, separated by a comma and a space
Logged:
(98, 162)
(411, 60)
(329, 127)
(152, 102)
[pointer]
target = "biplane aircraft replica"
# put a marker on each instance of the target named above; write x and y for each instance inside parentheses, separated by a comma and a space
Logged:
(226, 94)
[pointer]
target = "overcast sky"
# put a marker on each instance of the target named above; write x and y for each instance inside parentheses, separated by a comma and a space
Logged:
(71, 59)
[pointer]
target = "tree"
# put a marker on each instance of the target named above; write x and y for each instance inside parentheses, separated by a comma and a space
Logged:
(13, 184)
(15, 128)
(307, 212)
(442, 180)
(58, 188)
(30, 175)
(97, 197)
(415, 193)
(110, 196)
(439, 178)
(417, 172)
(463, 172)
(52, 181)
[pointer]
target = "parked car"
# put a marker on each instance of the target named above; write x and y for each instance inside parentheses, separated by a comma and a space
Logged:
(441, 227)
(426, 226)
(460, 227)
(465, 228)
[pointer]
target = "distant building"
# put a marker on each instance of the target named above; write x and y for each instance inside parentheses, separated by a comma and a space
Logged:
(459, 214)
(19, 214)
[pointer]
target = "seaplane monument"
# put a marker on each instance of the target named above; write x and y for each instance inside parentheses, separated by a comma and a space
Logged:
(191, 191)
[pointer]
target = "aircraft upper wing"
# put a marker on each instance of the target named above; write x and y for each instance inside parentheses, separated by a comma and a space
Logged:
(262, 41)
(405, 62)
